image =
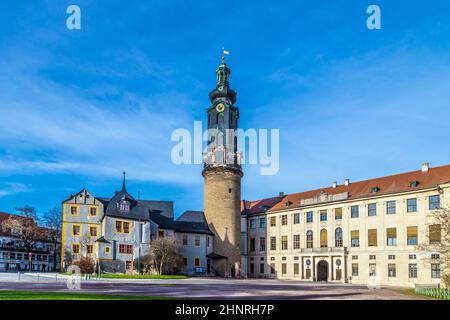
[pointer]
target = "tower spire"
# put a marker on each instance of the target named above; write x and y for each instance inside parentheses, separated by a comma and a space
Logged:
(123, 182)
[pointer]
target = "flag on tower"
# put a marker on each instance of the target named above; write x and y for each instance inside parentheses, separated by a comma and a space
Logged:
(225, 52)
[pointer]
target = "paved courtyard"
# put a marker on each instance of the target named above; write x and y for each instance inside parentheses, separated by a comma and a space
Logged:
(203, 288)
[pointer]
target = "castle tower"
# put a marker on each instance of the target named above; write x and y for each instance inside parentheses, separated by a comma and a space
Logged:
(222, 174)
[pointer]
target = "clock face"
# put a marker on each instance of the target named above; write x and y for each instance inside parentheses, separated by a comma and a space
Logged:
(220, 107)
(220, 88)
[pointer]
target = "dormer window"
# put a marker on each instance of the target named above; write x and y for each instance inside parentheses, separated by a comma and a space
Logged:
(124, 206)
(414, 184)
(375, 189)
(287, 204)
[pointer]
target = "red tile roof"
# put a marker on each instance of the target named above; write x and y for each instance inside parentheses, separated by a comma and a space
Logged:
(259, 206)
(387, 185)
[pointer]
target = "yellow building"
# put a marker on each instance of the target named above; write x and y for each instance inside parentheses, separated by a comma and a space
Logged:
(364, 232)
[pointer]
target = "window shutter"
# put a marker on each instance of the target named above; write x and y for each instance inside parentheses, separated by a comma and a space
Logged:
(372, 237)
(338, 213)
(411, 232)
(391, 232)
(323, 238)
(355, 234)
(435, 233)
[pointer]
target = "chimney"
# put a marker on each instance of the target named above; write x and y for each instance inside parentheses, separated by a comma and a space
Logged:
(425, 167)
(334, 184)
(281, 195)
(347, 182)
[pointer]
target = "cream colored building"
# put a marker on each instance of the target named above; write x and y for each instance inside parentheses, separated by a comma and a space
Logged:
(364, 232)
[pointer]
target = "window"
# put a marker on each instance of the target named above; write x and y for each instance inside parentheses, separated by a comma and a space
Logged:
(93, 211)
(284, 220)
(76, 248)
(412, 270)
(391, 257)
(261, 268)
(273, 243)
(73, 210)
(354, 237)
(412, 257)
(392, 271)
(372, 209)
(309, 239)
(390, 207)
(128, 265)
(323, 215)
(197, 241)
(372, 269)
(296, 269)
(355, 270)
(196, 262)
(124, 206)
(354, 257)
(118, 226)
(434, 231)
(252, 245)
(296, 218)
(185, 262)
(93, 231)
(262, 222)
(435, 256)
(185, 240)
(125, 248)
(252, 268)
(252, 223)
(411, 205)
(435, 271)
(89, 249)
(338, 214)
(284, 242)
(107, 250)
(354, 211)
(283, 268)
(272, 268)
(411, 236)
(323, 238)
(434, 202)
(391, 236)
(296, 244)
(12, 255)
(126, 227)
(372, 257)
(309, 217)
(262, 244)
(160, 233)
(273, 221)
(338, 237)
(76, 230)
(208, 241)
(372, 237)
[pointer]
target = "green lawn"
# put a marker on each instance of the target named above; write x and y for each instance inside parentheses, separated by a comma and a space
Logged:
(36, 295)
(141, 276)
(411, 292)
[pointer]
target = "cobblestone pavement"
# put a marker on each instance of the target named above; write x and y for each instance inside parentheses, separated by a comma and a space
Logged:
(203, 288)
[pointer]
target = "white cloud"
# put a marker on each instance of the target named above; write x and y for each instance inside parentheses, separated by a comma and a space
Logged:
(12, 188)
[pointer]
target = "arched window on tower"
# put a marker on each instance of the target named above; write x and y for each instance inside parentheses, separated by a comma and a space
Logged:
(124, 205)
(338, 237)
(323, 238)
(309, 239)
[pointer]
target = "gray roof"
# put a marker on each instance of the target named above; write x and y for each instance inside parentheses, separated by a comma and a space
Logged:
(192, 222)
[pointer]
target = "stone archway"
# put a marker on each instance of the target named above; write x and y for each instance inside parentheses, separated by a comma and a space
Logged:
(322, 271)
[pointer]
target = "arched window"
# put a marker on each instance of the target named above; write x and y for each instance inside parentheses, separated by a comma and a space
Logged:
(323, 238)
(124, 206)
(309, 239)
(338, 237)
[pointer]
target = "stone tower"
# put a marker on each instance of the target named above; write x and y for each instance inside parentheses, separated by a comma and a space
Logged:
(222, 173)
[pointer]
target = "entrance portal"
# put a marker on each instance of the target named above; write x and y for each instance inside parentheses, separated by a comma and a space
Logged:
(322, 271)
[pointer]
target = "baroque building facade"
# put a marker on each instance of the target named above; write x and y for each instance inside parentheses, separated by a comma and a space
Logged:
(367, 232)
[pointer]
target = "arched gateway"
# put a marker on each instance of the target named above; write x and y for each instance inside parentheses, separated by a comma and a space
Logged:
(322, 271)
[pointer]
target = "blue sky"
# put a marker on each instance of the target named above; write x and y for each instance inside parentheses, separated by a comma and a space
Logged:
(79, 107)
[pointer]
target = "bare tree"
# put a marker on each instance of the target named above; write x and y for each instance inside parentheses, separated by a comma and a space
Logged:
(52, 221)
(165, 254)
(438, 241)
(24, 226)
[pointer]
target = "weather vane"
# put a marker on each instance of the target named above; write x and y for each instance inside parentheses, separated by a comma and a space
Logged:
(224, 52)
